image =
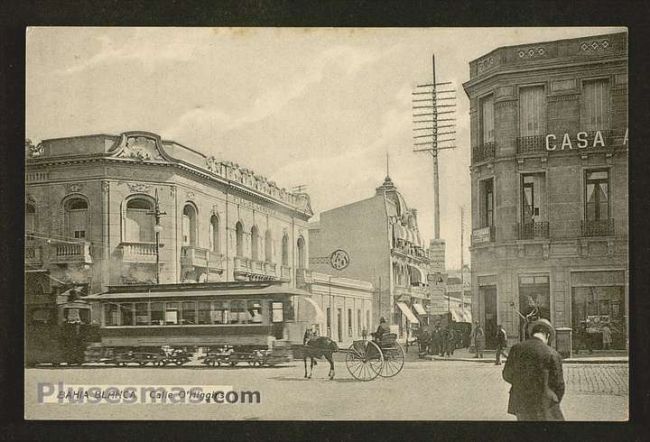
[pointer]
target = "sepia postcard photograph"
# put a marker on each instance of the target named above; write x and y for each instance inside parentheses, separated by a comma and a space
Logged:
(318, 224)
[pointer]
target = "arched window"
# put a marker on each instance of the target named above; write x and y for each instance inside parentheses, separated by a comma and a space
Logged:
(76, 217)
(139, 220)
(285, 250)
(302, 254)
(268, 247)
(30, 218)
(239, 237)
(215, 245)
(255, 243)
(189, 225)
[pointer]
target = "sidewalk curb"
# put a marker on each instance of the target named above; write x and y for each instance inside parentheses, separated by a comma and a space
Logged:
(565, 361)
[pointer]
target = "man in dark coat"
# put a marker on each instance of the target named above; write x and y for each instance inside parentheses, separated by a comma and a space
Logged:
(381, 330)
(436, 339)
(534, 370)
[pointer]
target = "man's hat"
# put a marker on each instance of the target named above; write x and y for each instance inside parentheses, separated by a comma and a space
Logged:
(382, 319)
(546, 324)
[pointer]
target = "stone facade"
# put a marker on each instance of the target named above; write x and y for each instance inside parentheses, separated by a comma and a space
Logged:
(382, 238)
(212, 198)
(559, 253)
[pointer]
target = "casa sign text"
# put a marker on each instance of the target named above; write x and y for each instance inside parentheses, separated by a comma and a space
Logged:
(582, 140)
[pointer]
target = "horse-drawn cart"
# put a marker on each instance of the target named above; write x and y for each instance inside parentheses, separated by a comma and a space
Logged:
(367, 359)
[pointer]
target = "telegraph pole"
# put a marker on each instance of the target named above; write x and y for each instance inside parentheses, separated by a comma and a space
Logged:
(462, 265)
(429, 103)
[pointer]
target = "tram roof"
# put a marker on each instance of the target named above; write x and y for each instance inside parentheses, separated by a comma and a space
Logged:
(196, 291)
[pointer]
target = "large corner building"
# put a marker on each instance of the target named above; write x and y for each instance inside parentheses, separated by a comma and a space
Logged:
(549, 177)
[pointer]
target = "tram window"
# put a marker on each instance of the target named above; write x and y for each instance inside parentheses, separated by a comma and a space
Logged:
(157, 314)
(277, 309)
(189, 313)
(141, 313)
(255, 312)
(239, 315)
(171, 313)
(111, 314)
(126, 314)
(220, 314)
(204, 313)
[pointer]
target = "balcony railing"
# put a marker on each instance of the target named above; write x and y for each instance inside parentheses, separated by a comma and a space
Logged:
(242, 265)
(483, 152)
(285, 273)
(532, 230)
(407, 248)
(601, 227)
(531, 144)
(483, 235)
(139, 252)
(303, 276)
(64, 253)
(198, 257)
(270, 269)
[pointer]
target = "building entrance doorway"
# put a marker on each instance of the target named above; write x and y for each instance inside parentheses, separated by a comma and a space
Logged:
(489, 296)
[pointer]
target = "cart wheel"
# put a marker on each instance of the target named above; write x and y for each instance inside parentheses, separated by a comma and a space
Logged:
(364, 360)
(393, 361)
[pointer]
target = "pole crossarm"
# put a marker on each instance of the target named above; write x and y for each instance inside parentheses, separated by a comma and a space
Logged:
(431, 97)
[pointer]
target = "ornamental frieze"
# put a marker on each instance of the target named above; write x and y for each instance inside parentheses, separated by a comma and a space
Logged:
(139, 187)
(74, 187)
(141, 149)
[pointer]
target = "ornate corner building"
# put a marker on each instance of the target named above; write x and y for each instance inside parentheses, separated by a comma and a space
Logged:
(549, 134)
(133, 208)
(382, 238)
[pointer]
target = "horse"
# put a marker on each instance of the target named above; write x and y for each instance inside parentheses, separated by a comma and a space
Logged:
(317, 347)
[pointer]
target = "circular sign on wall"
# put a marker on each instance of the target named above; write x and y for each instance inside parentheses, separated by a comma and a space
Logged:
(339, 259)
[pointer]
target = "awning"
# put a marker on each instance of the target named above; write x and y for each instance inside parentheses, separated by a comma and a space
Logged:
(419, 309)
(408, 313)
(460, 315)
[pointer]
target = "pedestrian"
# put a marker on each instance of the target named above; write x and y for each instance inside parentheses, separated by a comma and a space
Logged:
(607, 337)
(450, 341)
(479, 340)
(436, 340)
(534, 370)
(502, 343)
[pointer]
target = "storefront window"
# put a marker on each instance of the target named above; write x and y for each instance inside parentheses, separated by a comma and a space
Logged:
(593, 308)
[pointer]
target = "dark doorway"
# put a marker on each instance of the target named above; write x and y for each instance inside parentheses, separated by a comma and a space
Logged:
(489, 295)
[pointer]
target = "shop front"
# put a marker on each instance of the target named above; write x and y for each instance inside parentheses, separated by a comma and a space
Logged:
(599, 310)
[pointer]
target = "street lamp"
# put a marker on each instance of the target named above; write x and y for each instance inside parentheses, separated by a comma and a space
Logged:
(158, 229)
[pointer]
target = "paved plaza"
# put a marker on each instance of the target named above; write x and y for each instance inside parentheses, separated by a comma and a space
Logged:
(424, 390)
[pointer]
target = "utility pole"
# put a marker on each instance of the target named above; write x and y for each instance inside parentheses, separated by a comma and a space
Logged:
(429, 103)
(157, 229)
(462, 264)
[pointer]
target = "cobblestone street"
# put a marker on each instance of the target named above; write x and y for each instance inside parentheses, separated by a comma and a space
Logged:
(424, 390)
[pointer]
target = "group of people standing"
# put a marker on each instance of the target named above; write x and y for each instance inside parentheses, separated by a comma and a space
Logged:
(443, 341)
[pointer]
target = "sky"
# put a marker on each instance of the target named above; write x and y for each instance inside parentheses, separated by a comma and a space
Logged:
(319, 107)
